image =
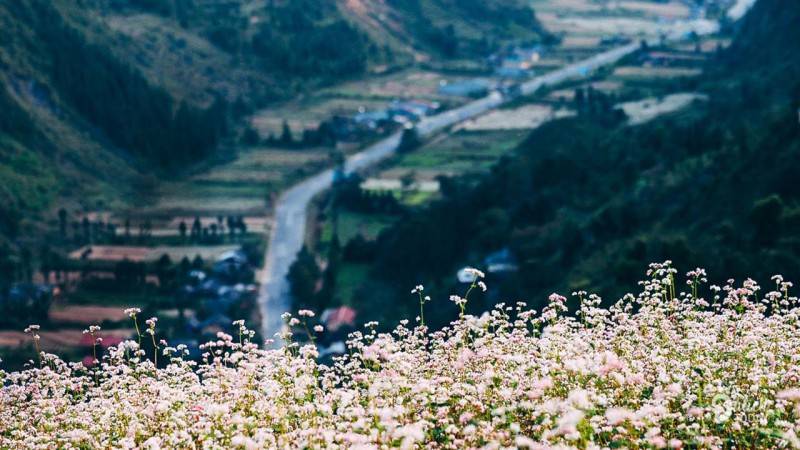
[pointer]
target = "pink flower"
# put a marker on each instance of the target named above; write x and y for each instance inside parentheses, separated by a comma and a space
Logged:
(617, 416)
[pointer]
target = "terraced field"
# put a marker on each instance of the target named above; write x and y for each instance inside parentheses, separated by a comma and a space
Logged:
(242, 186)
(461, 152)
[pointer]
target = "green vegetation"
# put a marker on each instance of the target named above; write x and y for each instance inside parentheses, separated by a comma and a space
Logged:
(350, 224)
(468, 27)
(463, 151)
(133, 114)
(96, 95)
(304, 38)
(348, 279)
(587, 200)
(112, 96)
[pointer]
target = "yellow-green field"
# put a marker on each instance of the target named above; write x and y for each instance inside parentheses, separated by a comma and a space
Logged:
(243, 186)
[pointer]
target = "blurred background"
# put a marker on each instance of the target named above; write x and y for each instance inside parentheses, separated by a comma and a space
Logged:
(211, 160)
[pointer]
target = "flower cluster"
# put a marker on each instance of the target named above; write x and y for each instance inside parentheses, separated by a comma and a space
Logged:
(662, 369)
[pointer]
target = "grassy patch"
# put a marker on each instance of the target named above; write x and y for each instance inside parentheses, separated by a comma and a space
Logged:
(26, 176)
(352, 224)
(464, 151)
(349, 277)
(415, 198)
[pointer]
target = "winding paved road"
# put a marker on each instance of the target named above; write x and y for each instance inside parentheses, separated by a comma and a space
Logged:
(288, 232)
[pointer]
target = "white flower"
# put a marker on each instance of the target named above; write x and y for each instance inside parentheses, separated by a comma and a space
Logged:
(525, 442)
(458, 300)
(616, 416)
(473, 272)
(645, 371)
(792, 395)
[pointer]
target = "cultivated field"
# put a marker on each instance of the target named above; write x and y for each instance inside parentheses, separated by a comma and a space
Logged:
(57, 340)
(349, 98)
(461, 152)
(581, 42)
(601, 26)
(412, 83)
(522, 118)
(87, 315)
(388, 184)
(308, 112)
(240, 187)
(672, 9)
(139, 254)
(642, 111)
(638, 72)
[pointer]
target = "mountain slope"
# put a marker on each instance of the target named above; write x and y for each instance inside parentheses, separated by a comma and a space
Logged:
(448, 28)
(81, 123)
(100, 98)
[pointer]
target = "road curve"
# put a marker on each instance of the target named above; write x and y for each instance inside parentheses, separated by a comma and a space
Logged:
(288, 231)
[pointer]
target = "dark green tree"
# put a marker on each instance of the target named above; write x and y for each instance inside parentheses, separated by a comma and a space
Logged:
(182, 229)
(286, 139)
(303, 276)
(62, 222)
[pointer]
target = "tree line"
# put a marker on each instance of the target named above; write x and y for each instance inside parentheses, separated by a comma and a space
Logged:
(304, 38)
(116, 98)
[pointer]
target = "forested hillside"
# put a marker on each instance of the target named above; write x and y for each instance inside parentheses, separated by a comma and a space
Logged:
(466, 27)
(78, 121)
(587, 201)
(102, 97)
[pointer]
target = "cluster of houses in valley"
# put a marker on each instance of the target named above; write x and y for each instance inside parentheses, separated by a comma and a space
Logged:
(398, 112)
(513, 64)
(217, 296)
(25, 303)
(207, 297)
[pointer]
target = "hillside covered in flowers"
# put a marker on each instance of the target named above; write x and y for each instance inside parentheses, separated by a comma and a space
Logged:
(709, 367)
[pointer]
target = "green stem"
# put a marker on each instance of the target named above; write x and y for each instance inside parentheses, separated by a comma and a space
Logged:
(155, 350)
(421, 310)
(138, 333)
(38, 350)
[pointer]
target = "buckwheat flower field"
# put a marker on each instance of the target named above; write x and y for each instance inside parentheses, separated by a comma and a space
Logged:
(712, 367)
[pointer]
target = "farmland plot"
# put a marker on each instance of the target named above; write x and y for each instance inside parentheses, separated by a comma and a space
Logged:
(642, 111)
(523, 118)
